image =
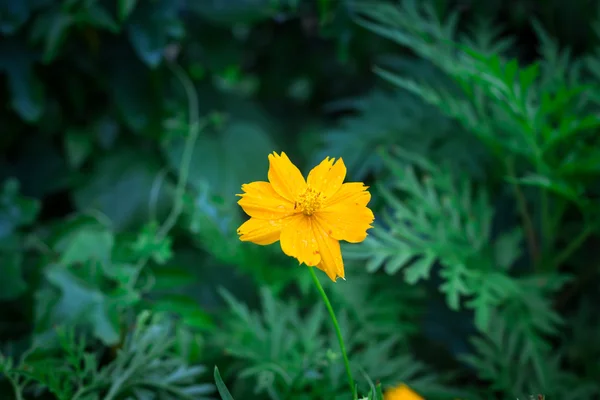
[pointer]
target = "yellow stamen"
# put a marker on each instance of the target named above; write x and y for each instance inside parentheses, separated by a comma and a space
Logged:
(309, 201)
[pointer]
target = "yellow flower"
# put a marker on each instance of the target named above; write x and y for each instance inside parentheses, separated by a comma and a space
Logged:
(401, 392)
(308, 217)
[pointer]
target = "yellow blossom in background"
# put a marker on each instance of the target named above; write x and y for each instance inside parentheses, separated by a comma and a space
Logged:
(401, 392)
(309, 217)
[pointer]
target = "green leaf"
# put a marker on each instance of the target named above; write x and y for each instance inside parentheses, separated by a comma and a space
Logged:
(123, 275)
(222, 163)
(150, 28)
(149, 245)
(78, 146)
(121, 187)
(96, 15)
(419, 269)
(382, 120)
(569, 190)
(12, 284)
(379, 392)
(236, 11)
(187, 308)
(221, 387)
(55, 27)
(90, 243)
(13, 14)
(81, 301)
(189, 344)
(125, 8)
(26, 90)
(15, 210)
(170, 277)
(455, 284)
(130, 85)
(507, 248)
(42, 168)
(212, 224)
(581, 163)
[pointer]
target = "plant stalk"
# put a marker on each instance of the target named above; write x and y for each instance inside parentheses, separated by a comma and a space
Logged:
(572, 247)
(525, 216)
(546, 239)
(337, 330)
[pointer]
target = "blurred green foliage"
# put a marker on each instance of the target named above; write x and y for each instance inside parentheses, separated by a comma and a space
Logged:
(130, 125)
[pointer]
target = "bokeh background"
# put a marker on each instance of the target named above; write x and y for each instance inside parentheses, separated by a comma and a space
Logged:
(128, 126)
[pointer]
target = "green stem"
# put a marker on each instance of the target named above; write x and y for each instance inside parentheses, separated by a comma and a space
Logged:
(527, 223)
(337, 330)
(572, 246)
(17, 390)
(546, 241)
(195, 126)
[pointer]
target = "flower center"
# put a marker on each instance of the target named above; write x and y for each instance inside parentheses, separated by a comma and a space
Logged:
(309, 201)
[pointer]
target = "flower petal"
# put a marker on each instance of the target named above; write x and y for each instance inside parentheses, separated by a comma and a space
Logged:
(345, 216)
(401, 392)
(297, 240)
(261, 231)
(355, 192)
(327, 177)
(331, 254)
(286, 178)
(261, 201)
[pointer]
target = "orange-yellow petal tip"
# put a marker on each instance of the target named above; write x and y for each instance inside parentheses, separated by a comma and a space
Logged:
(401, 392)
(281, 154)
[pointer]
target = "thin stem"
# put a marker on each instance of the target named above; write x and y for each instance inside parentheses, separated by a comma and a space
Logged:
(527, 223)
(154, 193)
(188, 150)
(16, 388)
(545, 240)
(572, 246)
(337, 330)
(292, 386)
(195, 126)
